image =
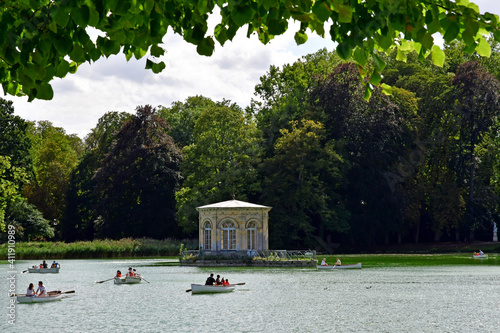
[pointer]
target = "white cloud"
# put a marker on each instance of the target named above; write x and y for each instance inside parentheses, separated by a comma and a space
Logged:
(117, 85)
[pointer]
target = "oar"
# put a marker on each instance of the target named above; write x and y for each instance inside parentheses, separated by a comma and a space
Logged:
(188, 290)
(25, 271)
(69, 292)
(105, 280)
(145, 280)
(239, 284)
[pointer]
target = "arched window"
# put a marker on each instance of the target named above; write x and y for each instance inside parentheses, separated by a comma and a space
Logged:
(228, 238)
(207, 236)
(252, 236)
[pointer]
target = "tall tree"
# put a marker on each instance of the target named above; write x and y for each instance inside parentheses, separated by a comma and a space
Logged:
(137, 180)
(302, 183)
(220, 164)
(54, 160)
(79, 217)
(477, 103)
(372, 136)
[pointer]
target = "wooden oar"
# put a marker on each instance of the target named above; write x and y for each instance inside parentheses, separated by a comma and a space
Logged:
(69, 292)
(105, 280)
(25, 271)
(238, 284)
(188, 290)
(145, 279)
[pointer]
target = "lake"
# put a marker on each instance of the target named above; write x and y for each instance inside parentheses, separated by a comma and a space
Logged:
(393, 299)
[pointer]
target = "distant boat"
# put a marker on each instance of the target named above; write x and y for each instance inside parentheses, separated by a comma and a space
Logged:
(44, 270)
(207, 289)
(358, 265)
(480, 256)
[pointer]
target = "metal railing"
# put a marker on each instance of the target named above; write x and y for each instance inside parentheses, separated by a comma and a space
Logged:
(269, 255)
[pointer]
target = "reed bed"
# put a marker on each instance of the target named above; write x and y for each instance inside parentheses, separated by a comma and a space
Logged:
(123, 248)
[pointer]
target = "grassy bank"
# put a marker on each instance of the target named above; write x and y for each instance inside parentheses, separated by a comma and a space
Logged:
(123, 248)
(412, 260)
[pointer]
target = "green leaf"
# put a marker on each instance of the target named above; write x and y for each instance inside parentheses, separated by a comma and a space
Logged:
(300, 38)
(277, 27)
(360, 56)
(63, 45)
(321, 10)
(368, 92)
(220, 34)
(44, 91)
(81, 15)
(206, 47)
(155, 67)
(438, 56)
(386, 89)
(60, 14)
(157, 51)
(375, 78)
(451, 32)
(242, 15)
(62, 69)
(379, 63)
(344, 51)
(345, 13)
(483, 48)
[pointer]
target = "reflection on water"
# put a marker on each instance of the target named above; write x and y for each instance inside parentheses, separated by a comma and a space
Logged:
(436, 299)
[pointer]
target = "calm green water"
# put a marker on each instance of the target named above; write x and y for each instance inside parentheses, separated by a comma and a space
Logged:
(436, 299)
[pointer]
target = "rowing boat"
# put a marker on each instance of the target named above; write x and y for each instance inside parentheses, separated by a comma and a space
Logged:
(39, 299)
(480, 256)
(128, 279)
(44, 270)
(358, 265)
(207, 289)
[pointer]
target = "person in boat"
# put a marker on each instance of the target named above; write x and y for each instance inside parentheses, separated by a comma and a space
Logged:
(323, 263)
(41, 292)
(210, 280)
(30, 292)
(44, 264)
(217, 281)
(226, 283)
(135, 273)
(130, 272)
(338, 263)
(481, 252)
(118, 274)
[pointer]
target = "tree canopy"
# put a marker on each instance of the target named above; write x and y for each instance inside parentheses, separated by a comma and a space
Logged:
(43, 39)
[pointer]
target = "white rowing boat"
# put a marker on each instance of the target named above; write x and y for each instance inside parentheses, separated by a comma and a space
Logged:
(358, 265)
(480, 256)
(38, 299)
(204, 289)
(128, 279)
(44, 270)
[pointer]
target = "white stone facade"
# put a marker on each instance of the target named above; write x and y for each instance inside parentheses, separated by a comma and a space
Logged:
(233, 226)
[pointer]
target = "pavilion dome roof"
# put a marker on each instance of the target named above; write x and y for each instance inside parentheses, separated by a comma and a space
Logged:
(232, 204)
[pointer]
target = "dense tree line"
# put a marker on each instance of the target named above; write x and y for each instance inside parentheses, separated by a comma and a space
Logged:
(418, 165)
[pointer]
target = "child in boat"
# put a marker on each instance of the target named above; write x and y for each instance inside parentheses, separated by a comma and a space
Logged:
(226, 283)
(338, 263)
(41, 292)
(118, 274)
(30, 292)
(217, 281)
(130, 272)
(323, 263)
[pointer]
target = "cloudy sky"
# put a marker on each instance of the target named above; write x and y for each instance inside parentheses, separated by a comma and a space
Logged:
(117, 85)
